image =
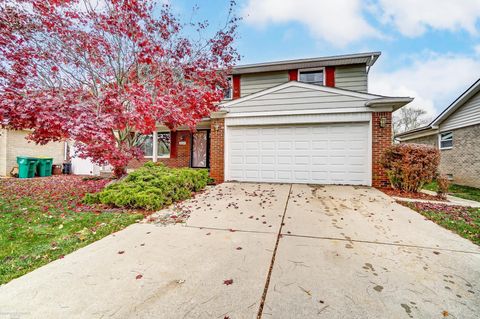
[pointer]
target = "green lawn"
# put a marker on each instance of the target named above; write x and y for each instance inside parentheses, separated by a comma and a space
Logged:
(465, 192)
(43, 219)
(464, 221)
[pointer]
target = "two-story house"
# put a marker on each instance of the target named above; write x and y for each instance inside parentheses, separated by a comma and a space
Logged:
(297, 121)
(455, 132)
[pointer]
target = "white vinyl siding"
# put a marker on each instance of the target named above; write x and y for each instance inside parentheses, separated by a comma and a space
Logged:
(468, 114)
(297, 98)
(252, 83)
(351, 77)
(336, 153)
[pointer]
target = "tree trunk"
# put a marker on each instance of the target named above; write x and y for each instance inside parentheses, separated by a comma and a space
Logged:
(118, 172)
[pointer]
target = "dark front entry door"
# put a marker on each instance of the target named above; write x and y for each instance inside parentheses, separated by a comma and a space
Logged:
(200, 149)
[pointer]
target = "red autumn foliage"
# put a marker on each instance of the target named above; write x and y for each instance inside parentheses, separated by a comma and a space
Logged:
(443, 184)
(102, 74)
(417, 195)
(410, 166)
(63, 192)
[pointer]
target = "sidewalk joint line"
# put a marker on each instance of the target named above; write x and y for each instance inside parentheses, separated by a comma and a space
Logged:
(270, 270)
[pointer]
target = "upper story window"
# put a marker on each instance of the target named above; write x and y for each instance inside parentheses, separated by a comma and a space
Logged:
(446, 140)
(163, 144)
(229, 90)
(311, 76)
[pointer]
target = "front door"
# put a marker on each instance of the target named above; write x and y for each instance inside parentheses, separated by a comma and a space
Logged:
(200, 149)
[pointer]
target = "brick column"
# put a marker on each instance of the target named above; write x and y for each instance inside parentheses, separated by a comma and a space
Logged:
(381, 139)
(217, 138)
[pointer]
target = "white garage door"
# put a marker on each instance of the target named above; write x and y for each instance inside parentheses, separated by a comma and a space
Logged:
(317, 154)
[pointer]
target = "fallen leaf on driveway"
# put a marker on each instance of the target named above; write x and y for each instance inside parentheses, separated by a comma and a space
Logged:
(121, 252)
(228, 282)
(138, 277)
(445, 313)
(239, 248)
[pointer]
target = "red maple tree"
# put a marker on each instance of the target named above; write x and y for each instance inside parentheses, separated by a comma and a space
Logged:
(104, 73)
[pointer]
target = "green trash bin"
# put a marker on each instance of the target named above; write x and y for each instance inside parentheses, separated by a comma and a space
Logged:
(27, 166)
(44, 166)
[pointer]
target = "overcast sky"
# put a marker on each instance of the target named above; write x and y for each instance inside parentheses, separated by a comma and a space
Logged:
(430, 48)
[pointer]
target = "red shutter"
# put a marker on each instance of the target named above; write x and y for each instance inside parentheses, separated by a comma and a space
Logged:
(236, 86)
(173, 144)
(293, 75)
(330, 76)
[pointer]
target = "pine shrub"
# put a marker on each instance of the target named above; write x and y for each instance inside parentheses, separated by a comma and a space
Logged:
(152, 187)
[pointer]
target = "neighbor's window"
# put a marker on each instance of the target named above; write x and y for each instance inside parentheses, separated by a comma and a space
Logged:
(163, 146)
(312, 77)
(446, 140)
(229, 90)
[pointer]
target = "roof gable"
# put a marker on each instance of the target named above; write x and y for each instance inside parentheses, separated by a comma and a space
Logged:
(295, 95)
(460, 101)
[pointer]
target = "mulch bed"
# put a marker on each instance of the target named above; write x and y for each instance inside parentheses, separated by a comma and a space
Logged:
(399, 193)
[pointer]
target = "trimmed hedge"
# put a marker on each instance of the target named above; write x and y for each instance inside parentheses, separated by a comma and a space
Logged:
(152, 187)
(410, 166)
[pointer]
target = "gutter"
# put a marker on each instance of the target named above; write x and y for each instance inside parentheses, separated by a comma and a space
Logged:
(397, 102)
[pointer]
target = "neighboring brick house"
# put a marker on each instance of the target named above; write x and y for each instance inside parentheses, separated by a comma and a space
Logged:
(456, 132)
(297, 121)
(14, 143)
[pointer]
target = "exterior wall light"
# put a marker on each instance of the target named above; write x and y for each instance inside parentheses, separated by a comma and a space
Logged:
(383, 121)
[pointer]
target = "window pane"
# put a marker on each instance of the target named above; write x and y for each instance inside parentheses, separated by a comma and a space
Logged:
(312, 77)
(447, 136)
(163, 144)
(228, 90)
(147, 145)
(446, 139)
(444, 144)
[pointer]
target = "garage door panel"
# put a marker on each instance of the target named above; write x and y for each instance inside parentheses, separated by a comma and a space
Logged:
(325, 153)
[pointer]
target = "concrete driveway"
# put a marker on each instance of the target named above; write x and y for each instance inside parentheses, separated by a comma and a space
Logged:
(263, 250)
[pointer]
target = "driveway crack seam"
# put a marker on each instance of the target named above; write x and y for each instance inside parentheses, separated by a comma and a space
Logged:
(270, 270)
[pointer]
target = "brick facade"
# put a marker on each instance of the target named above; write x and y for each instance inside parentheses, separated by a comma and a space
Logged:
(462, 161)
(181, 157)
(431, 140)
(381, 139)
(217, 147)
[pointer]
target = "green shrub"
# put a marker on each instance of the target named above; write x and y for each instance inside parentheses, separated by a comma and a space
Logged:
(410, 166)
(152, 187)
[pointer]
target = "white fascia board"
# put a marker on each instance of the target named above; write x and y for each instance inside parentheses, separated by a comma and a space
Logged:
(305, 112)
(298, 119)
(394, 102)
(417, 135)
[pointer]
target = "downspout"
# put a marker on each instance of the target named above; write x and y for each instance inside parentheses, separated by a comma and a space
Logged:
(369, 65)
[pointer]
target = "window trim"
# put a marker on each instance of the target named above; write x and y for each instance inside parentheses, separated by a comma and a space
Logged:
(230, 81)
(310, 70)
(440, 140)
(161, 156)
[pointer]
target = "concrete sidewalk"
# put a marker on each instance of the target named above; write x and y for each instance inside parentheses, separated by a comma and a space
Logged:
(336, 251)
